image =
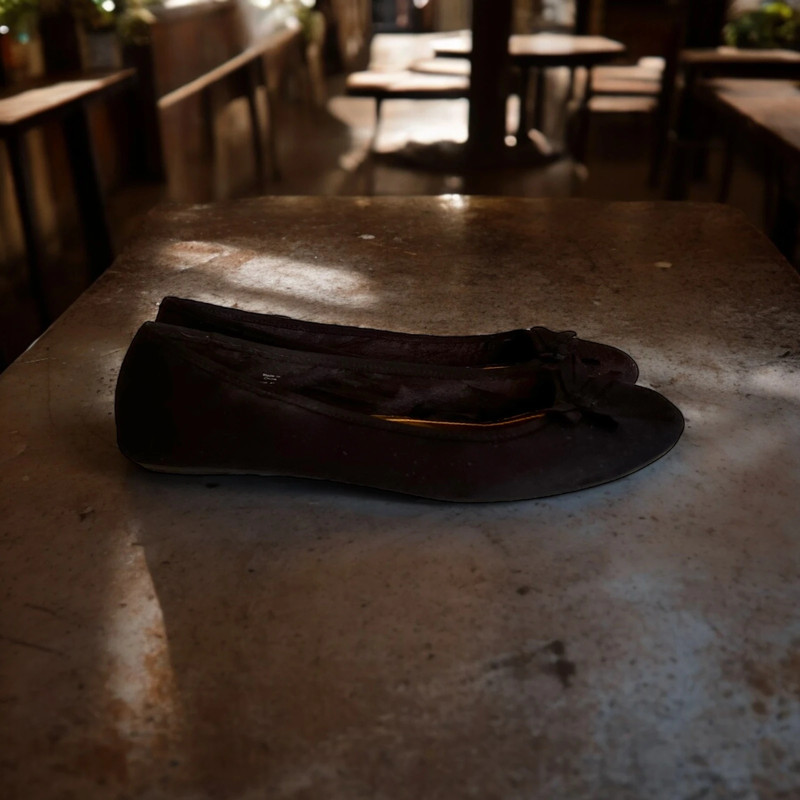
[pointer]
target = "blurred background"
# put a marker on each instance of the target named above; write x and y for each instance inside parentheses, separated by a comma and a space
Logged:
(109, 107)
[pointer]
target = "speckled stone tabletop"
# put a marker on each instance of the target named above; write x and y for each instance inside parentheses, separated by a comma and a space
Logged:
(191, 637)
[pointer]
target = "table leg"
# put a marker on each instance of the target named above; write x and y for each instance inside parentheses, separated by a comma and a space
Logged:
(541, 99)
(86, 179)
(582, 133)
(523, 126)
(661, 127)
(682, 145)
(23, 187)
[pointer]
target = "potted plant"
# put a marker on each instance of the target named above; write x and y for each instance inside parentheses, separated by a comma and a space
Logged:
(73, 33)
(774, 25)
(18, 19)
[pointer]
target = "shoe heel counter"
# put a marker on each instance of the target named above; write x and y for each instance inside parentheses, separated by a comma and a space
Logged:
(185, 314)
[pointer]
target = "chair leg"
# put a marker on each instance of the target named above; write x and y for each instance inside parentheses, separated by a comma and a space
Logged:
(571, 84)
(661, 133)
(251, 79)
(262, 78)
(523, 124)
(568, 97)
(581, 147)
(378, 109)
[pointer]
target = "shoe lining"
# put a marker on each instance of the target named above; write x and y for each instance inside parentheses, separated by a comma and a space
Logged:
(489, 398)
(493, 350)
(435, 423)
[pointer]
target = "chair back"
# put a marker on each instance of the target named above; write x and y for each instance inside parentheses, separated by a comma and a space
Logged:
(646, 27)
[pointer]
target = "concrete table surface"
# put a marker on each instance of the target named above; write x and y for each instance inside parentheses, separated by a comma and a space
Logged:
(195, 637)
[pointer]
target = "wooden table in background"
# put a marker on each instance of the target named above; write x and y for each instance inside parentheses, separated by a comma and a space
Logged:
(769, 112)
(176, 636)
(63, 99)
(540, 51)
(687, 136)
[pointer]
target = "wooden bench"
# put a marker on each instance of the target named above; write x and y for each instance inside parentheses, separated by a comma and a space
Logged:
(628, 88)
(248, 69)
(687, 138)
(205, 53)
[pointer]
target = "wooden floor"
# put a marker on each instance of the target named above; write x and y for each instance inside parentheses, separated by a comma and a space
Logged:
(331, 148)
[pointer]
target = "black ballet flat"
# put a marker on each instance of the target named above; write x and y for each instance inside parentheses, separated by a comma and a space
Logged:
(190, 401)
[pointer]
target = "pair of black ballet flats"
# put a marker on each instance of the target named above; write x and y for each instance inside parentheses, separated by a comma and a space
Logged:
(505, 416)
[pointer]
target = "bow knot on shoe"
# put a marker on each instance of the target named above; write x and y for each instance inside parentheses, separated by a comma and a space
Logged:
(579, 402)
(573, 414)
(551, 345)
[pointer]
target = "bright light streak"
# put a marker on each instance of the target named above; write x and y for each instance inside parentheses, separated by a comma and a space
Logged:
(456, 201)
(303, 279)
(108, 5)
